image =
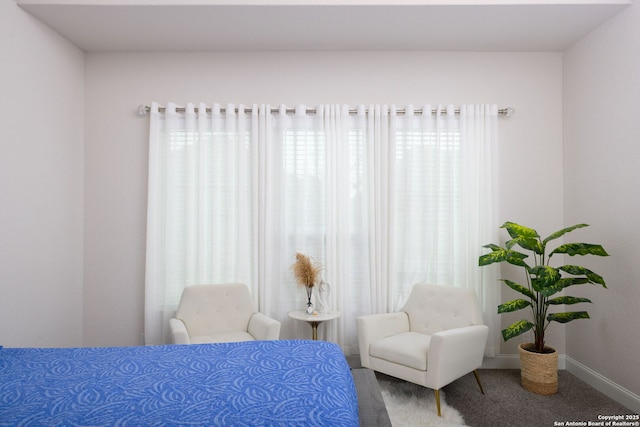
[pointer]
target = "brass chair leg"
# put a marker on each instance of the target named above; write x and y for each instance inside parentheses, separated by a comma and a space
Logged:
(437, 392)
(475, 372)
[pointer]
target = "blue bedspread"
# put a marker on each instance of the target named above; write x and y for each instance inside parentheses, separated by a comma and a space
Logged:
(261, 383)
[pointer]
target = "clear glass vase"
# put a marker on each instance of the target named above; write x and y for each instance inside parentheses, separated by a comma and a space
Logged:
(309, 309)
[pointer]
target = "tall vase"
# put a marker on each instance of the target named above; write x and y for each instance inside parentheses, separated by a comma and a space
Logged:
(309, 309)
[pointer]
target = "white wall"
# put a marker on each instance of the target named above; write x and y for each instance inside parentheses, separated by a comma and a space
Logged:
(602, 175)
(41, 183)
(116, 139)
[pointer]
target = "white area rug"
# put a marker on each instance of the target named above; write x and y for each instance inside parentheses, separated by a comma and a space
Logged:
(410, 405)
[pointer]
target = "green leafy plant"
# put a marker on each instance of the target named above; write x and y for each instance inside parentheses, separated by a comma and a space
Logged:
(542, 280)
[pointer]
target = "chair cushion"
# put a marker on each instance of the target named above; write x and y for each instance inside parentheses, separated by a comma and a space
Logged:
(408, 349)
(228, 337)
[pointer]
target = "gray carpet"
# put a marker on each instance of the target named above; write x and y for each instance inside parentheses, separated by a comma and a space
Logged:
(506, 403)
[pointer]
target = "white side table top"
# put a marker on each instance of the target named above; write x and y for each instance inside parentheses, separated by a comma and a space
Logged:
(320, 317)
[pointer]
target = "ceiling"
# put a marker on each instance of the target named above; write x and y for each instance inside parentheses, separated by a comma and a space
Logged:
(201, 25)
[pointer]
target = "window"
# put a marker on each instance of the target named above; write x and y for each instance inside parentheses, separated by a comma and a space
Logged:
(380, 200)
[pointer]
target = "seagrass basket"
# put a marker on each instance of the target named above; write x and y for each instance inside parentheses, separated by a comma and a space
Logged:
(538, 371)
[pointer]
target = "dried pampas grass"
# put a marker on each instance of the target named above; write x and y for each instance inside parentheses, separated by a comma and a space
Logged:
(306, 270)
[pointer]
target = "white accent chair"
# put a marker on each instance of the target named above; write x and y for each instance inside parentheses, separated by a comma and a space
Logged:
(220, 313)
(436, 338)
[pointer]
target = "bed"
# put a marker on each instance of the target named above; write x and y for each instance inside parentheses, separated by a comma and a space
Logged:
(259, 383)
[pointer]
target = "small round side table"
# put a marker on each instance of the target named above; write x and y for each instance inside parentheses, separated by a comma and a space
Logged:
(314, 319)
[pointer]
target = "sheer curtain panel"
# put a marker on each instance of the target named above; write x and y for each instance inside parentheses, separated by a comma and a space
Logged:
(382, 200)
(200, 221)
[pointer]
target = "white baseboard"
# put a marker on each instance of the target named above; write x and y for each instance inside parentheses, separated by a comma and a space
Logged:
(588, 375)
(511, 361)
(604, 385)
(501, 361)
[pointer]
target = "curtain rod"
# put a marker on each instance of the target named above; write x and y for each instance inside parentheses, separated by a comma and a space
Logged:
(143, 110)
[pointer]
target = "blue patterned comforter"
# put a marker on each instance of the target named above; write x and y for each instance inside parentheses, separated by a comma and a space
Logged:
(260, 383)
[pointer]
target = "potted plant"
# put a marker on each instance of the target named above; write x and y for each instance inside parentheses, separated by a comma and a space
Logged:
(539, 363)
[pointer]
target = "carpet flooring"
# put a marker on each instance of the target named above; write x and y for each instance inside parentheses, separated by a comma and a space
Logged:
(506, 403)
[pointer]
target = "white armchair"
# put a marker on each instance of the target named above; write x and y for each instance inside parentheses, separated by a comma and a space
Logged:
(436, 338)
(220, 313)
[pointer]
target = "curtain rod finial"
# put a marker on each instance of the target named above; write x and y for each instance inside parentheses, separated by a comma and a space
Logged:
(509, 111)
(143, 110)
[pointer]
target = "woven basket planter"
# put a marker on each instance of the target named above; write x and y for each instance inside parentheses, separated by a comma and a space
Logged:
(538, 371)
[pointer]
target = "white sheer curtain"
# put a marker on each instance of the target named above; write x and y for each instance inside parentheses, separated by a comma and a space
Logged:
(382, 200)
(200, 225)
(445, 202)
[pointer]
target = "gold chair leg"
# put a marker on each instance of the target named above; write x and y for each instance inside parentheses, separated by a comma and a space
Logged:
(437, 392)
(475, 372)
